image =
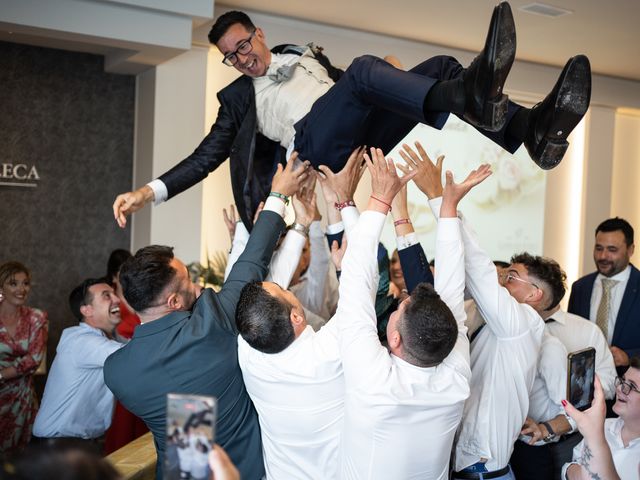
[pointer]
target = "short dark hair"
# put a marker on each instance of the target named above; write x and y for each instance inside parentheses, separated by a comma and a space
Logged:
(81, 295)
(634, 362)
(615, 224)
(263, 320)
(116, 259)
(427, 327)
(225, 21)
(549, 274)
(145, 275)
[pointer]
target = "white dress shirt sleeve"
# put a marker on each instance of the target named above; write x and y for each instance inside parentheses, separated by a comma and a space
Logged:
(450, 277)
(312, 292)
(363, 357)
(552, 368)
(160, 192)
(286, 259)
(350, 216)
(605, 366)
(503, 314)
(240, 239)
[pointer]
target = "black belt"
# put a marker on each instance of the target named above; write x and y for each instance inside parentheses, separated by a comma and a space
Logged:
(481, 475)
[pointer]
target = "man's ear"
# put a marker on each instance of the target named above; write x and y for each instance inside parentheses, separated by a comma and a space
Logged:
(296, 318)
(86, 310)
(174, 301)
(394, 340)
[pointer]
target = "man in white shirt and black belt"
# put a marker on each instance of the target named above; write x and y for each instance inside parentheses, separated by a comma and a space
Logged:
(504, 353)
(403, 403)
(293, 97)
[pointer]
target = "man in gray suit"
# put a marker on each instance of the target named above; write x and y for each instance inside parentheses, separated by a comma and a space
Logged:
(187, 342)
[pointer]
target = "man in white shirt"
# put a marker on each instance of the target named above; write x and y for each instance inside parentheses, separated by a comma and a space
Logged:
(610, 297)
(403, 404)
(622, 434)
(287, 98)
(504, 352)
(76, 402)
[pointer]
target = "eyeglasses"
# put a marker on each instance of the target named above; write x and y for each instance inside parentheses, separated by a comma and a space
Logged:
(230, 59)
(625, 387)
(507, 277)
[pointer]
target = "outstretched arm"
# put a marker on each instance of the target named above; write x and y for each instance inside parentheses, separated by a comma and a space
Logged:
(252, 264)
(360, 349)
(212, 151)
(595, 460)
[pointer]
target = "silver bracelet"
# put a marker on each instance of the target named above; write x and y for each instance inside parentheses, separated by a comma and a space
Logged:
(302, 229)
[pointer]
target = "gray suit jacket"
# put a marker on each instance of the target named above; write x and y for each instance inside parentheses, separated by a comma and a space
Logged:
(196, 353)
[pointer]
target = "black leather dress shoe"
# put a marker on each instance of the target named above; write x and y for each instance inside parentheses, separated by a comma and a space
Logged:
(552, 120)
(485, 104)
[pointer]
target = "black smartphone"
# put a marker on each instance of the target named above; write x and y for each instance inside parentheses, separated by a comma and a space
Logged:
(581, 372)
(191, 421)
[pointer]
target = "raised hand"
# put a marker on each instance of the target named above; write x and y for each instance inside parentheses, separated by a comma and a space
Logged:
(454, 192)
(304, 206)
(230, 220)
(258, 211)
(340, 187)
(127, 203)
(385, 182)
(288, 180)
(337, 252)
(429, 176)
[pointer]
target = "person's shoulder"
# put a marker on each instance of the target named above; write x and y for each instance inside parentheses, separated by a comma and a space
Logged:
(239, 86)
(36, 315)
(584, 280)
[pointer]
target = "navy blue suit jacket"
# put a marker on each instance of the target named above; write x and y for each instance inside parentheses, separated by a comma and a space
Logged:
(415, 266)
(626, 334)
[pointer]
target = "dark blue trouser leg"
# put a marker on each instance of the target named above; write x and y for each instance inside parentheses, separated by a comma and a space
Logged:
(376, 104)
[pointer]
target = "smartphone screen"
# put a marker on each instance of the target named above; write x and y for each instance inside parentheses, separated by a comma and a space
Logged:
(191, 423)
(581, 373)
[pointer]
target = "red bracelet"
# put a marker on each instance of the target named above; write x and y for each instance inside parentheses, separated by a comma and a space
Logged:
(340, 205)
(381, 201)
(401, 221)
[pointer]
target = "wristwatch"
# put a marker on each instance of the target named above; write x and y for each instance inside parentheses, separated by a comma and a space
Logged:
(551, 434)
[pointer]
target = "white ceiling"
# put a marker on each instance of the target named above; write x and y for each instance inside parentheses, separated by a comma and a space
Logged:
(608, 32)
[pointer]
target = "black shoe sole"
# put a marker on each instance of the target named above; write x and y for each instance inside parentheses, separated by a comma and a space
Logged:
(571, 103)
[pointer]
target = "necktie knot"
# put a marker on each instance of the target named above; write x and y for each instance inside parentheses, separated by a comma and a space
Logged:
(607, 284)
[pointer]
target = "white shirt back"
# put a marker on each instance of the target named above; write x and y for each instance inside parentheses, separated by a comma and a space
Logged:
(299, 396)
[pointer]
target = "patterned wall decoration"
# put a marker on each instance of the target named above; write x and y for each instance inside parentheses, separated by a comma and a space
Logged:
(63, 116)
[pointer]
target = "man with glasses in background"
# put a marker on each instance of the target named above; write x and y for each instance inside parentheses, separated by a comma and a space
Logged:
(293, 98)
(622, 434)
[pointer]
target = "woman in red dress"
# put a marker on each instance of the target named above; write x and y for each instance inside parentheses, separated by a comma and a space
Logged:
(23, 338)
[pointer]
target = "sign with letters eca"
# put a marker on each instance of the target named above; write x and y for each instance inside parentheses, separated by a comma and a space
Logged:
(18, 175)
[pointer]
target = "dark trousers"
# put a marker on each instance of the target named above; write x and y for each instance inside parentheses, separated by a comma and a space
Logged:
(543, 462)
(91, 445)
(376, 104)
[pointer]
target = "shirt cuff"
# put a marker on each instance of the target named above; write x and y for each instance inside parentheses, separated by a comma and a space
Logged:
(274, 204)
(435, 204)
(350, 217)
(565, 467)
(160, 193)
(335, 228)
(405, 241)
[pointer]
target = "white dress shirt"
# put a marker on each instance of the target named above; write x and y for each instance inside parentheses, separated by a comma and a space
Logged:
(617, 292)
(577, 333)
(76, 401)
(400, 420)
(299, 396)
(317, 289)
(504, 358)
(550, 384)
(626, 459)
